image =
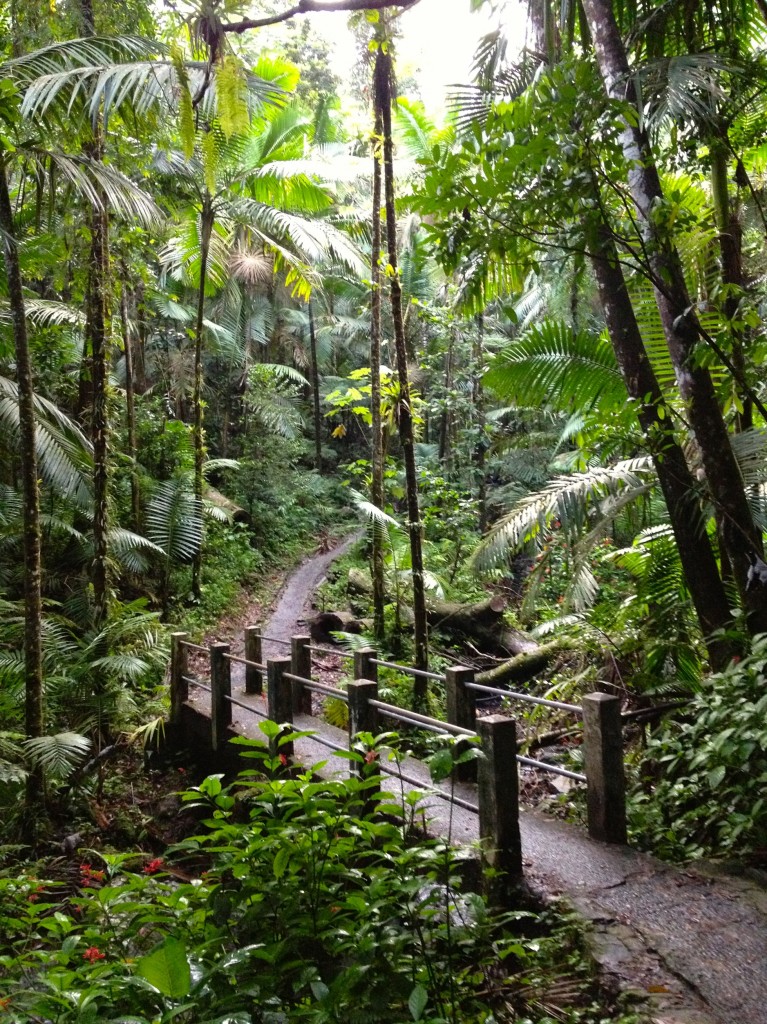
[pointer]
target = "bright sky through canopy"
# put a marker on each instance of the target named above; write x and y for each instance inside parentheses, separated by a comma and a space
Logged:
(437, 44)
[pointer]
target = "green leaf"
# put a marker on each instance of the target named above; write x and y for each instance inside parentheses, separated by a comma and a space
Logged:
(419, 997)
(441, 765)
(281, 861)
(716, 775)
(166, 968)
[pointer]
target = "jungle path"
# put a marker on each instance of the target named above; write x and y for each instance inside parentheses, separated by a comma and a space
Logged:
(294, 600)
(694, 944)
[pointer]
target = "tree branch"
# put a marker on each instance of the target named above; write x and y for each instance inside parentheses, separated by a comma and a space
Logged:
(309, 6)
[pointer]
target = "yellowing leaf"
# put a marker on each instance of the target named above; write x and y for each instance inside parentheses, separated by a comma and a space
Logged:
(340, 431)
(231, 97)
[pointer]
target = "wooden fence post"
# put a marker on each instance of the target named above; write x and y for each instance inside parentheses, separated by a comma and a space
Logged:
(498, 791)
(280, 697)
(461, 710)
(220, 691)
(603, 759)
(254, 680)
(363, 664)
(179, 688)
(364, 718)
(301, 665)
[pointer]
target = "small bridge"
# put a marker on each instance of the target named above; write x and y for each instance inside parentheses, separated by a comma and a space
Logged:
(672, 934)
(281, 689)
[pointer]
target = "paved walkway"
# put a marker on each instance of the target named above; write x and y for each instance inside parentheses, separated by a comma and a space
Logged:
(694, 944)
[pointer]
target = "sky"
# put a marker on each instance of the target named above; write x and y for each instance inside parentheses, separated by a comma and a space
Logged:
(438, 41)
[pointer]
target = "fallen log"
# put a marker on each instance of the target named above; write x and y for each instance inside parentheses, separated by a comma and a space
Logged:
(480, 621)
(522, 666)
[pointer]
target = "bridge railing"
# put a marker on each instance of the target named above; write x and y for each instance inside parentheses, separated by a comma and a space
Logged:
(289, 686)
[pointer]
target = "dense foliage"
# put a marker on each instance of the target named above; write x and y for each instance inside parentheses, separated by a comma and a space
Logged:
(560, 404)
(293, 902)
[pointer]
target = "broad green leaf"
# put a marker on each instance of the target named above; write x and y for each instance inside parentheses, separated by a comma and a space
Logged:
(419, 997)
(166, 968)
(441, 765)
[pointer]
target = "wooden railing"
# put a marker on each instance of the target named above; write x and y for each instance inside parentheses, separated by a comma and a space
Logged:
(288, 684)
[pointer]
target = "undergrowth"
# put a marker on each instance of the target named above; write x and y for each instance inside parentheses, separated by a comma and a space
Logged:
(298, 900)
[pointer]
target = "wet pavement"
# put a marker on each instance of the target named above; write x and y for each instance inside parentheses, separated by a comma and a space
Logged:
(690, 943)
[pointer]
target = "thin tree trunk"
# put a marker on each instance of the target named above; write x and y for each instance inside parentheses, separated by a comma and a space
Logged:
(445, 432)
(695, 552)
(315, 392)
(377, 454)
(478, 400)
(139, 362)
(97, 336)
(97, 328)
(130, 403)
(34, 713)
(742, 540)
(198, 431)
(383, 78)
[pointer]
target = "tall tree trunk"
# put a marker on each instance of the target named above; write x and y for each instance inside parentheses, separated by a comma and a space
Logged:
(96, 339)
(377, 453)
(34, 714)
(445, 427)
(478, 401)
(315, 392)
(383, 100)
(139, 361)
(695, 552)
(130, 402)
(742, 539)
(198, 430)
(97, 330)
(731, 249)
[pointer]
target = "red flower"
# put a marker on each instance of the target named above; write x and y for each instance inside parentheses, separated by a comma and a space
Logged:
(153, 866)
(283, 759)
(370, 756)
(92, 954)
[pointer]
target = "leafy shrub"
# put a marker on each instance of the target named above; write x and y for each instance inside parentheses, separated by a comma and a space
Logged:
(310, 909)
(703, 779)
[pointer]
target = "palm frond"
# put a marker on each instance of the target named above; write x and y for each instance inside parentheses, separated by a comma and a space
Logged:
(64, 453)
(554, 367)
(103, 186)
(130, 549)
(46, 313)
(59, 754)
(173, 520)
(567, 498)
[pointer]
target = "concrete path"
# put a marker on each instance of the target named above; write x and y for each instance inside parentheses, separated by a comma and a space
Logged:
(695, 946)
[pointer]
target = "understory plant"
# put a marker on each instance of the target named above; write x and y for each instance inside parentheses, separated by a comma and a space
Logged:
(299, 899)
(703, 776)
